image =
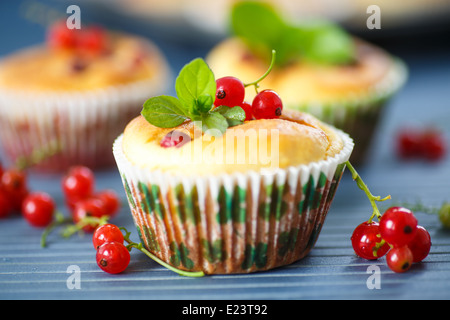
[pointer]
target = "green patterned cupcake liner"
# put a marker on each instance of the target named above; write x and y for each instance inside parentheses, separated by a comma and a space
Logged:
(234, 223)
(360, 114)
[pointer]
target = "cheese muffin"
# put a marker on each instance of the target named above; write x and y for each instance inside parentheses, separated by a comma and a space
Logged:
(70, 97)
(252, 199)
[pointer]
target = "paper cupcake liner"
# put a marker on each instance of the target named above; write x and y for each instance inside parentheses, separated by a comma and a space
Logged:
(81, 125)
(360, 114)
(235, 223)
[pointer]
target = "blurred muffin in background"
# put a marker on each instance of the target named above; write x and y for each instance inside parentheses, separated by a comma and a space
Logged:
(319, 68)
(70, 97)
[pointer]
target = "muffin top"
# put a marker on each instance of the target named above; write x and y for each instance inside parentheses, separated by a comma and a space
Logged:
(95, 59)
(301, 80)
(293, 139)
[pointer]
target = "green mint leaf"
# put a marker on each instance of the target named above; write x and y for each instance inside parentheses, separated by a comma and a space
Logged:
(258, 24)
(163, 112)
(234, 116)
(328, 43)
(194, 83)
(215, 123)
(204, 103)
(264, 30)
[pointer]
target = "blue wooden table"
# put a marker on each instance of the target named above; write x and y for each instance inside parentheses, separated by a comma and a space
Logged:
(330, 271)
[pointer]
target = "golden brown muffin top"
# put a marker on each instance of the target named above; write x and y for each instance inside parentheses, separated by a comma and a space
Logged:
(293, 139)
(41, 68)
(302, 81)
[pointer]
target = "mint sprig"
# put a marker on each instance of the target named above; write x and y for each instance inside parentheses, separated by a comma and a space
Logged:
(264, 29)
(195, 87)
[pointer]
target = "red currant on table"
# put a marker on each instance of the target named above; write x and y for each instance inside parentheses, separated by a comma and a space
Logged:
(5, 204)
(14, 184)
(113, 257)
(367, 242)
(433, 145)
(78, 184)
(107, 233)
(398, 226)
(421, 244)
(38, 209)
(409, 144)
(110, 200)
(230, 92)
(399, 259)
(267, 105)
(88, 208)
(428, 144)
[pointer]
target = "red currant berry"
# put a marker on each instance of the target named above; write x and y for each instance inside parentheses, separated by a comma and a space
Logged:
(247, 107)
(267, 105)
(421, 244)
(88, 208)
(367, 242)
(398, 226)
(38, 209)
(433, 145)
(14, 184)
(230, 92)
(5, 204)
(61, 37)
(175, 138)
(110, 200)
(409, 144)
(399, 259)
(92, 40)
(78, 184)
(107, 233)
(113, 257)
(13, 180)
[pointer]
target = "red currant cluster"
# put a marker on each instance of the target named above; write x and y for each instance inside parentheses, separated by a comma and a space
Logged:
(88, 40)
(231, 92)
(39, 209)
(79, 190)
(397, 234)
(112, 255)
(428, 144)
(36, 207)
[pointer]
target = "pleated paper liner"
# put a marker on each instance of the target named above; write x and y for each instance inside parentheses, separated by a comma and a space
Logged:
(360, 115)
(73, 128)
(235, 223)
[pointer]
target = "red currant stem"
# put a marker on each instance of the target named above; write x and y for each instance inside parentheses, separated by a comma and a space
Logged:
(418, 206)
(256, 83)
(38, 155)
(373, 199)
(139, 246)
(84, 222)
(59, 220)
(71, 228)
(378, 245)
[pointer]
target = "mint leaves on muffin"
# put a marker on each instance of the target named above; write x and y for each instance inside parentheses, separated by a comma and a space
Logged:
(195, 87)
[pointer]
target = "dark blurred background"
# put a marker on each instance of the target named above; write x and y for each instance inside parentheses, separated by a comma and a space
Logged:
(186, 28)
